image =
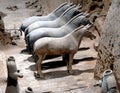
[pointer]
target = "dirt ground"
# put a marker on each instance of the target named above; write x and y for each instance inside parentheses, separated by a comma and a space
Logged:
(56, 79)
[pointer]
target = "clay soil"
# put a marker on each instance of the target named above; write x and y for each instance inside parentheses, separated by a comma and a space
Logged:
(56, 79)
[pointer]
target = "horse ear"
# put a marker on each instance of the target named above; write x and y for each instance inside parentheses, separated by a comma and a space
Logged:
(78, 6)
(77, 29)
(69, 1)
(86, 14)
(65, 3)
(81, 26)
(88, 26)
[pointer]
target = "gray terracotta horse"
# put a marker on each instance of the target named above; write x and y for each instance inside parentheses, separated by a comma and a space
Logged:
(64, 18)
(74, 23)
(52, 16)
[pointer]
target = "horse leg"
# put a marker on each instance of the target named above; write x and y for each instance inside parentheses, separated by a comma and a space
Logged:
(69, 64)
(65, 58)
(39, 74)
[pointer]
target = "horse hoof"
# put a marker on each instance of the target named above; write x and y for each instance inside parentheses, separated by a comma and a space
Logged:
(71, 72)
(38, 75)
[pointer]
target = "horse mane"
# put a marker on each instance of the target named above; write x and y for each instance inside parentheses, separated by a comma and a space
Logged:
(67, 10)
(60, 6)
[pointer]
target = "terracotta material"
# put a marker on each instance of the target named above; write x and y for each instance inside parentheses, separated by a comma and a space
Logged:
(74, 23)
(53, 15)
(13, 74)
(60, 21)
(67, 45)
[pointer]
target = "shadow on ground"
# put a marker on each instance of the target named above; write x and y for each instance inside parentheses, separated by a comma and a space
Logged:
(63, 73)
(56, 64)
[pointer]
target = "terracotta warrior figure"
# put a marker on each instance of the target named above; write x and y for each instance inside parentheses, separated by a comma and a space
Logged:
(13, 74)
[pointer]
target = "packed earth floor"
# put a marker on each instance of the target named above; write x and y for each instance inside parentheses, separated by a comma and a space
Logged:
(57, 80)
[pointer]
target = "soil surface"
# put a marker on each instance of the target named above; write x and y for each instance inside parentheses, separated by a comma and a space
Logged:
(57, 80)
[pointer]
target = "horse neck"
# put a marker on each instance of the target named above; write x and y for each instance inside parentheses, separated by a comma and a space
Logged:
(78, 35)
(74, 23)
(57, 12)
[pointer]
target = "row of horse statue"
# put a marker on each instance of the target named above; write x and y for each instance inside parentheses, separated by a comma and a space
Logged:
(58, 33)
